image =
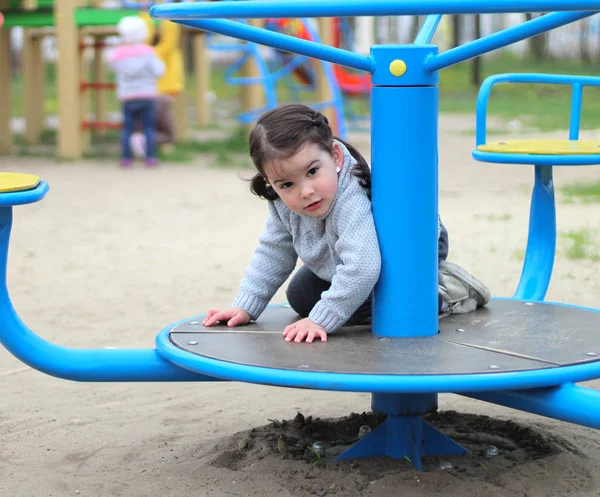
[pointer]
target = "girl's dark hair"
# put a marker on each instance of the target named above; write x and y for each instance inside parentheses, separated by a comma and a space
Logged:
(281, 132)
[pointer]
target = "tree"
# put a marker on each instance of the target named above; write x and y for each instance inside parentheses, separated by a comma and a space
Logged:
(538, 45)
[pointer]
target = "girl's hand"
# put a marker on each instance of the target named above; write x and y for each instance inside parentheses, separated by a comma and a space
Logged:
(234, 317)
(305, 328)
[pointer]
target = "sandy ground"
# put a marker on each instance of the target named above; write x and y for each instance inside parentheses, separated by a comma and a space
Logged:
(110, 257)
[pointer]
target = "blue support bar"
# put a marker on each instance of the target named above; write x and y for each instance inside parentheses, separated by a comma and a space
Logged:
(541, 242)
(403, 437)
(567, 402)
(348, 8)
(278, 40)
(405, 208)
(428, 29)
(575, 121)
(74, 364)
(503, 38)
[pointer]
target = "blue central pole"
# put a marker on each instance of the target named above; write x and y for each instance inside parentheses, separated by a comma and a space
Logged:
(404, 106)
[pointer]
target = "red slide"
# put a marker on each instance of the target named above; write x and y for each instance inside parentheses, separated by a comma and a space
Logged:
(350, 83)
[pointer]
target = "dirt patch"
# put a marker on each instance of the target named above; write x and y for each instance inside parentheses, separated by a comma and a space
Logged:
(522, 452)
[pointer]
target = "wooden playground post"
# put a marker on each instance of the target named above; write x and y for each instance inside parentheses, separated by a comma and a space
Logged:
(69, 109)
(34, 79)
(253, 96)
(5, 100)
(85, 95)
(99, 75)
(202, 76)
(324, 94)
(180, 109)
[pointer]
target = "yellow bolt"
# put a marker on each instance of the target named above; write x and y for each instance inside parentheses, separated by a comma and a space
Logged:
(397, 67)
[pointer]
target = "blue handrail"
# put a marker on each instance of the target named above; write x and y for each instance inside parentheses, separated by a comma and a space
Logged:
(578, 83)
(428, 29)
(502, 39)
(65, 362)
(335, 8)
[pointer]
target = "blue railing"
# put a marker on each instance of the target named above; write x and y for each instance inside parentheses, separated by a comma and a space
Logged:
(577, 82)
(335, 8)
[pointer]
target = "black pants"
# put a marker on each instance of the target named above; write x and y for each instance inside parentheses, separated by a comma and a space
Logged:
(305, 289)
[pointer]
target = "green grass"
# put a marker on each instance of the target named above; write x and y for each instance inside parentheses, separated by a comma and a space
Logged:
(588, 192)
(581, 245)
(539, 106)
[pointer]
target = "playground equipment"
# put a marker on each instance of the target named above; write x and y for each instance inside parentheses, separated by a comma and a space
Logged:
(519, 352)
(77, 25)
(317, 75)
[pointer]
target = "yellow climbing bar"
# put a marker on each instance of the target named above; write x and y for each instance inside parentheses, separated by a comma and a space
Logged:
(543, 147)
(18, 182)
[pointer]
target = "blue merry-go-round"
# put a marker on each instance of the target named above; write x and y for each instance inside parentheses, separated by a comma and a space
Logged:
(519, 352)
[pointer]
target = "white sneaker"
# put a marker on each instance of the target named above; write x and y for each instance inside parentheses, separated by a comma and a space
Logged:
(461, 292)
(137, 142)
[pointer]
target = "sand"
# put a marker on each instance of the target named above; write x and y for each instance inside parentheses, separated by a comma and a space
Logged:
(111, 257)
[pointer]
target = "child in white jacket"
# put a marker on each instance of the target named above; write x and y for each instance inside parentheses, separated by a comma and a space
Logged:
(138, 69)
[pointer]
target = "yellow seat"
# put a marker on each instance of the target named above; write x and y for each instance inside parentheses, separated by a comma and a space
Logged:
(18, 182)
(543, 147)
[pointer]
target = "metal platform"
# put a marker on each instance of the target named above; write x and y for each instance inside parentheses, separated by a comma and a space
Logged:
(507, 336)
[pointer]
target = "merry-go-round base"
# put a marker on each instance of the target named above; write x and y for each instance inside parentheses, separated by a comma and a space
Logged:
(507, 344)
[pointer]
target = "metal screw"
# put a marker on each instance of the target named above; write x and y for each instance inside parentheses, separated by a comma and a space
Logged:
(493, 366)
(592, 354)
(286, 305)
(194, 322)
(445, 465)
(460, 330)
(490, 451)
(363, 431)
(304, 366)
(192, 342)
(382, 339)
(318, 448)
(529, 303)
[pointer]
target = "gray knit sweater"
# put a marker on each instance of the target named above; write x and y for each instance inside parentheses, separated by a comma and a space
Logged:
(340, 246)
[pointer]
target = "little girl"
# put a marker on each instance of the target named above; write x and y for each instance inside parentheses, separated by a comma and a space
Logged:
(137, 68)
(318, 188)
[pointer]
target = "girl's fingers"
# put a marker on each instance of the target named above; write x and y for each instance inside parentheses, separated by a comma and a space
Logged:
(322, 335)
(300, 336)
(290, 334)
(310, 337)
(208, 319)
(218, 316)
(239, 318)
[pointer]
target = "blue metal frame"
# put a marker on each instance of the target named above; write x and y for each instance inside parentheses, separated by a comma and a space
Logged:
(334, 8)
(404, 201)
(64, 362)
(541, 241)
(577, 82)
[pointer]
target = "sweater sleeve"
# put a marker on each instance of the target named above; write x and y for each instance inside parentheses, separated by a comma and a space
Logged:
(273, 261)
(358, 271)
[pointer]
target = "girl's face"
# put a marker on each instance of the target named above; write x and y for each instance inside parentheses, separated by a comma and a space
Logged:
(307, 182)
